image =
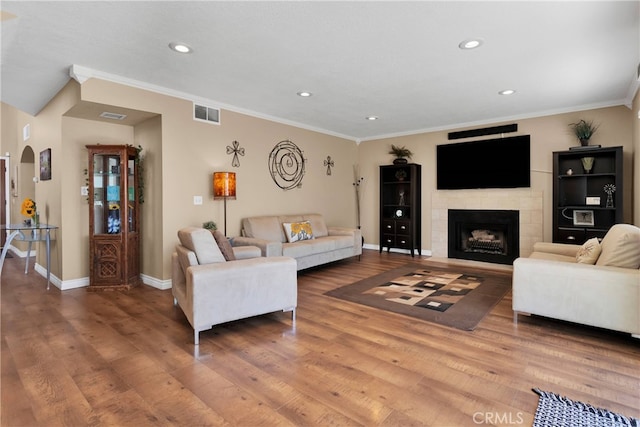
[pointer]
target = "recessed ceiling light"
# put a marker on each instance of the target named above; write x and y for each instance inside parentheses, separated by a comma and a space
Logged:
(470, 44)
(507, 92)
(304, 94)
(372, 118)
(181, 47)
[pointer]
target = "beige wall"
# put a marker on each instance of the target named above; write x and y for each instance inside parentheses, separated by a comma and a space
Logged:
(548, 134)
(77, 134)
(181, 154)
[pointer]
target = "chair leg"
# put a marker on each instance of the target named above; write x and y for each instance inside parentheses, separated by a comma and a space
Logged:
(175, 301)
(196, 337)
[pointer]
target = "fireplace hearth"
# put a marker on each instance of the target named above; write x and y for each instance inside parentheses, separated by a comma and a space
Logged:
(484, 235)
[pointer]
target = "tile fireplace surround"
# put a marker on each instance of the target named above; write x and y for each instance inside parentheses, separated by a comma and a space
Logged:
(527, 202)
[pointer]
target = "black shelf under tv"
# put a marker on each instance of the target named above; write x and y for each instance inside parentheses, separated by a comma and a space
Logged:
(582, 207)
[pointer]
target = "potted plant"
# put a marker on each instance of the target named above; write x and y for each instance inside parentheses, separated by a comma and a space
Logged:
(584, 130)
(401, 153)
(210, 225)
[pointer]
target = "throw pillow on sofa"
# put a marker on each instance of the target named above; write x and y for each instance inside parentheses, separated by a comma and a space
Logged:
(621, 247)
(296, 231)
(224, 245)
(201, 242)
(589, 252)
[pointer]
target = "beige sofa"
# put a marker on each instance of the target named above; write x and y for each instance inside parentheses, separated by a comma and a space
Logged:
(326, 244)
(211, 289)
(596, 284)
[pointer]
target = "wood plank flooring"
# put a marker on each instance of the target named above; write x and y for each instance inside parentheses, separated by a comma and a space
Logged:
(78, 358)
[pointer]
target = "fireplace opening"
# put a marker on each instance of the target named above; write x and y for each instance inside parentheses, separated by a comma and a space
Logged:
(484, 235)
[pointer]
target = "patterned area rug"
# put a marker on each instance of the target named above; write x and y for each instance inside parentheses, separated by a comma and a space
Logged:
(457, 297)
(557, 411)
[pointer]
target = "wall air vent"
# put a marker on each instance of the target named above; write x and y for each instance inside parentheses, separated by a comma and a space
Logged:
(206, 114)
(113, 116)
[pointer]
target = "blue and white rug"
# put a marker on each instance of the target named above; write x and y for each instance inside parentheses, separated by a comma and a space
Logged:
(558, 411)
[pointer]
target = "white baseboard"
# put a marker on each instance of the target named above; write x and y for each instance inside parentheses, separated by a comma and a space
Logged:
(83, 282)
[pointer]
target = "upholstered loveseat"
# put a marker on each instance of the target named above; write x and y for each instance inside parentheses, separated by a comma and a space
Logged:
(306, 237)
(214, 283)
(596, 284)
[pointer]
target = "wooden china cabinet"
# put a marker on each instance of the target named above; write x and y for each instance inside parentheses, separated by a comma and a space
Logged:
(114, 217)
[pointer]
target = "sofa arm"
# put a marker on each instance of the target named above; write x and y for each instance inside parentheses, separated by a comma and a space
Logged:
(345, 231)
(178, 279)
(268, 248)
(564, 249)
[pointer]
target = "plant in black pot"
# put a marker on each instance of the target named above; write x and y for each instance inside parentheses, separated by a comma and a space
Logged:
(401, 153)
(584, 130)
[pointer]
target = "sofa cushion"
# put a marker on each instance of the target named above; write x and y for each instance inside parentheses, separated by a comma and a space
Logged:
(621, 247)
(201, 241)
(589, 252)
(296, 231)
(317, 224)
(307, 247)
(264, 227)
(224, 245)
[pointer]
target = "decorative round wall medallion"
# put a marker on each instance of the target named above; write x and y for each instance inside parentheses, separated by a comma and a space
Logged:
(286, 165)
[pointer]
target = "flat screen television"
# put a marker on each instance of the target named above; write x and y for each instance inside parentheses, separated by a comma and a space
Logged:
(490, 163)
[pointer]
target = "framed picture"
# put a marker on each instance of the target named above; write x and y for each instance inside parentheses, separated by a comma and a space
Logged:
(583, 218)
(45, 164)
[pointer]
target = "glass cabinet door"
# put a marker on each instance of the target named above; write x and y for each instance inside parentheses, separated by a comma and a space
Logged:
(106, 197)
(131, 193)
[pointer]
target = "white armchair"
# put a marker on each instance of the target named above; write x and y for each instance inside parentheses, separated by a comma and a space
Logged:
(211, 290)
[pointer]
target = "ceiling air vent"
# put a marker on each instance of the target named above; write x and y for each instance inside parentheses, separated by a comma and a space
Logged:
(113, 116)
(207, 114)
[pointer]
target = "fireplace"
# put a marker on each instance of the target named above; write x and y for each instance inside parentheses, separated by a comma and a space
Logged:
(484, 235)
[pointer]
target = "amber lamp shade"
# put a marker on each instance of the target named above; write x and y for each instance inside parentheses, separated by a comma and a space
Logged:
(224, 185)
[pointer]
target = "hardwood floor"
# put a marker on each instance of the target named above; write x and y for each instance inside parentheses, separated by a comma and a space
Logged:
(127, 358)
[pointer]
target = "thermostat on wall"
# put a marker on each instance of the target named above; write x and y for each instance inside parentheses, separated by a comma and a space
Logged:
(593, 201)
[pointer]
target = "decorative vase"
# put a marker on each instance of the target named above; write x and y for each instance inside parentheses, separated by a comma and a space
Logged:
(400, 161)
(587, 164)
(584, 141)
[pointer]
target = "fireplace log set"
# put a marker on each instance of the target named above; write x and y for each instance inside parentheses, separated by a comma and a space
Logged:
(485, 241)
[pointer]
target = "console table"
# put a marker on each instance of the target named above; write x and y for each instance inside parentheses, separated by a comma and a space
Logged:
(29, 233)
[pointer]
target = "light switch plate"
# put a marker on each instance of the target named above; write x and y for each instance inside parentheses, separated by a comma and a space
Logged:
(84, 190)
(197, 200)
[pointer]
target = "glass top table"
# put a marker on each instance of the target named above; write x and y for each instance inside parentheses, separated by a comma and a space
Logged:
(28, 233)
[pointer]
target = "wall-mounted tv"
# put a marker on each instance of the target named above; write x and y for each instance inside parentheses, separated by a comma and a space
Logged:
(490, 163)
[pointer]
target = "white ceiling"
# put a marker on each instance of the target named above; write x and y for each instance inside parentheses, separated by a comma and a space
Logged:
(396, 60)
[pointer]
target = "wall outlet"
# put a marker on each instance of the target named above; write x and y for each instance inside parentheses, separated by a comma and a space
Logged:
(197, 200)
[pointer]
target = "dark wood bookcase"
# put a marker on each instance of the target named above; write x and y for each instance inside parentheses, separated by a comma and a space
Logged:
(582, 209)
(400, 207)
